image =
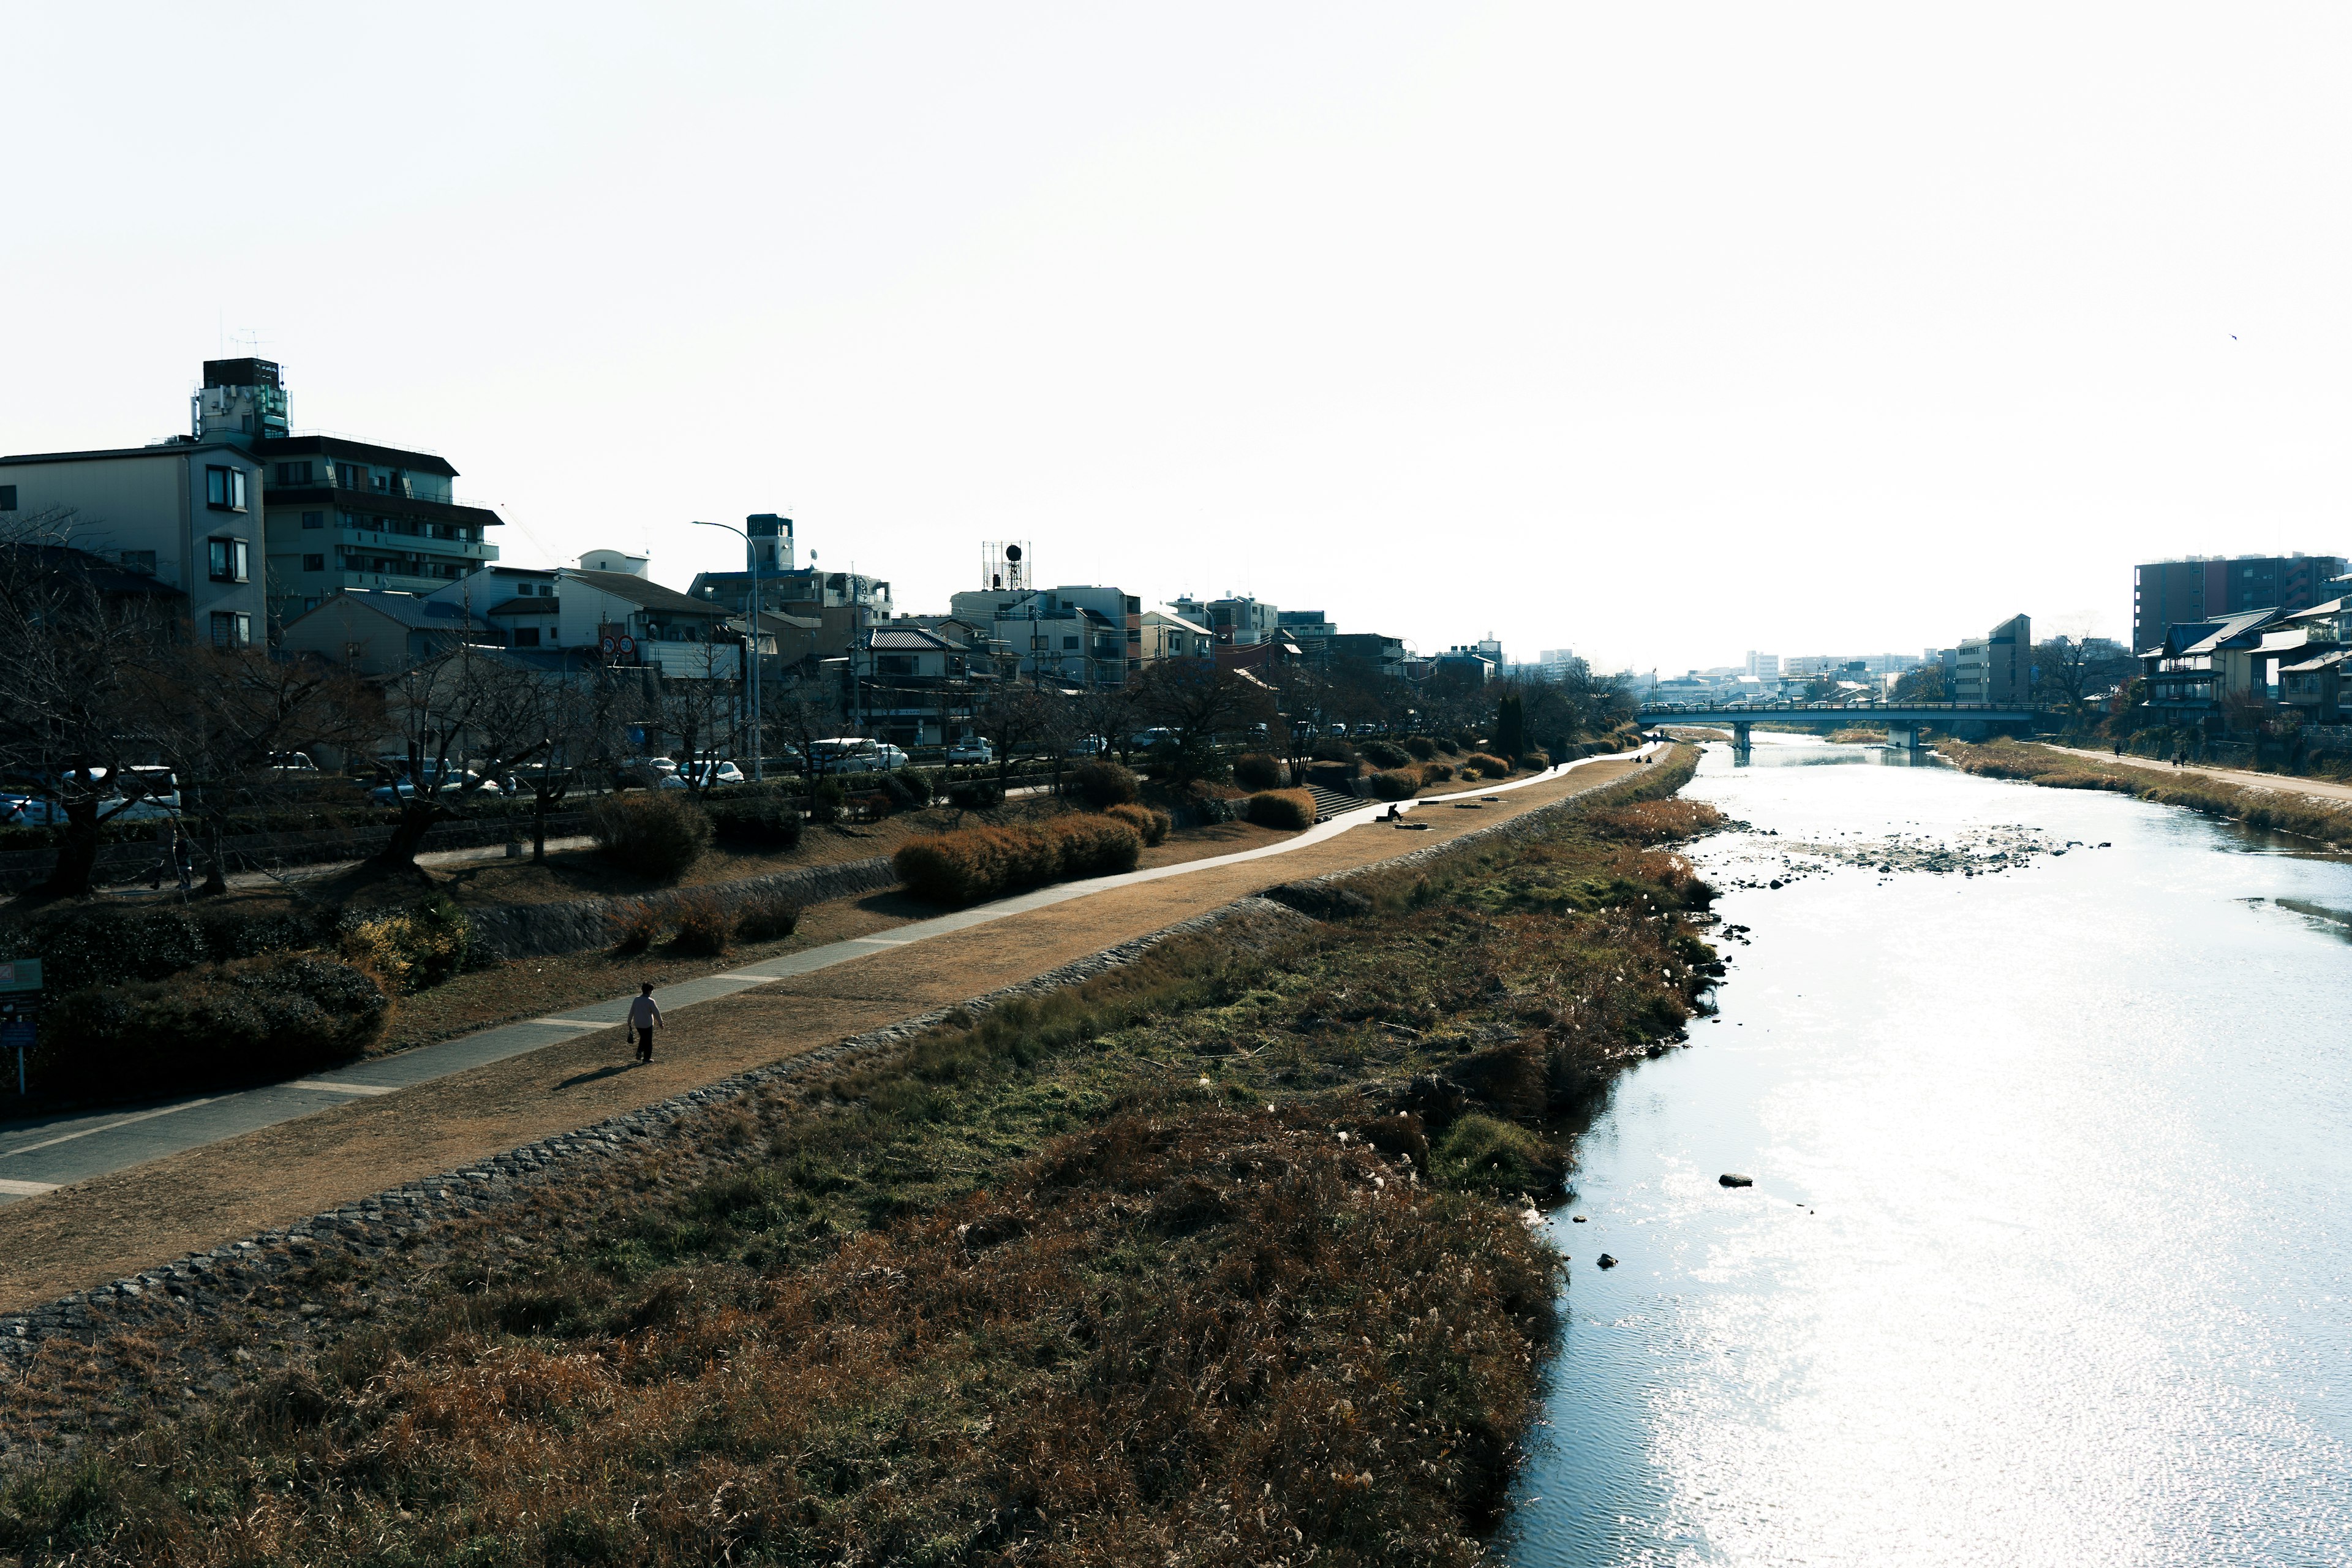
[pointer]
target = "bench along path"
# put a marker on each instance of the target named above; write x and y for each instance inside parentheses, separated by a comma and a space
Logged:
(93, 1197)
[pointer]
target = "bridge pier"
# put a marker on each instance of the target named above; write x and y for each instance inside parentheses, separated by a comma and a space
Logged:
(1904, 738)
(1740, 730)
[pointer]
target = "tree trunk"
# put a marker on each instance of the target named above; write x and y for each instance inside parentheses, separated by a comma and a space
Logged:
(216, 873)
(77, 854)
(539, 827)
(417, 816)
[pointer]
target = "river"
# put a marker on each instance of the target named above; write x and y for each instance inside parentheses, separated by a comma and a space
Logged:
(2049, 1256)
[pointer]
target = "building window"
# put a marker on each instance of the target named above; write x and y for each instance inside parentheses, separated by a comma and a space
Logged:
(294, 473)
(314, 564)
(526, 637)
(232, 629)
(1069, 644)
(350, 477)
(224, 490)
(314, 520)
(229, 559)
(8, 497)
(310, 605)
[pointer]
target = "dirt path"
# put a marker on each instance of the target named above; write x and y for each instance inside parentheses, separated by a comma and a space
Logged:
(112, 1226)
(2318, 789)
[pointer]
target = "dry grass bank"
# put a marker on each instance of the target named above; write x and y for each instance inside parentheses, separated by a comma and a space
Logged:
(1214, 1256)
(2279, 810)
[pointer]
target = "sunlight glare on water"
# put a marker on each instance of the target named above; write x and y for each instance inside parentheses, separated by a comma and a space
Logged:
(2049, 1257)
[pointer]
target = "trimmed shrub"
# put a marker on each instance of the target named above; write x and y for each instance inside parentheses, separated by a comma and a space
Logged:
(921, 787)
(975, 863)
(655, 833)
(1448, 747)
(767, 917)
(1151, 825)
(1397, 784)
(1422, 747)
(411, 949)
(251, 1019)
(1331, 749)
(635, 928)
(1285, 808)
(704, 925)
(1257, 770)
(1102, 784)
(754, 822)
(1385, 754)
(1436, 773)
(828, 800)
(1532, 762)
(975, 795)
(105, 943)
(1485, 765)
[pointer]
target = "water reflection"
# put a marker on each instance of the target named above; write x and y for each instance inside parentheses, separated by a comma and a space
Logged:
(2047, 1256)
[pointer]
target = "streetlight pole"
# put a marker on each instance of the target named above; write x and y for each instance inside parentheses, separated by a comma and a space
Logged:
(759, 736)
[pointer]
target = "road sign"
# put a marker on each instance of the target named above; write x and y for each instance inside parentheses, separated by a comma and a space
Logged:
(628, 645)
(610, 645)
(20, 975)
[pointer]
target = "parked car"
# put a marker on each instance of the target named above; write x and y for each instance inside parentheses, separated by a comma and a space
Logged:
(704, 775)
(30, 811)
(292, 762)
(1088, 746)
(1144, 740)
(972, 752)
(402, 789)
(858, 754)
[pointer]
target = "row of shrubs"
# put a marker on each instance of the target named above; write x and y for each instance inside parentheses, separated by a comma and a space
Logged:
(91, 944)
(972, 864)
(703, 925)
(1290, 809)
(248, 1020)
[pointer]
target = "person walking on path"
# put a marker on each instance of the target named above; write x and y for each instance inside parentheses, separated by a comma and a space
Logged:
(645, 1017)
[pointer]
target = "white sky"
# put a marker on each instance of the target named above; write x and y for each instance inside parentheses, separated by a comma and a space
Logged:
(1662, 331)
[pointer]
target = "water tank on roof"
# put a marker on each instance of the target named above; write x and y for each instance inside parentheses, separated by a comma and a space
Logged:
(615, 560)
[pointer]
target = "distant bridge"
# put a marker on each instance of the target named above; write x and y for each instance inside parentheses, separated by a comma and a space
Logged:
(1903, 722)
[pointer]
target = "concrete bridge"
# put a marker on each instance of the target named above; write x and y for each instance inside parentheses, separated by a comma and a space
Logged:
(1903, 722)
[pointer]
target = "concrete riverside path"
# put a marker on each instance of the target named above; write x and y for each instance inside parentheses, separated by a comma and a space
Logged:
(2245, 778)
(40, 1155)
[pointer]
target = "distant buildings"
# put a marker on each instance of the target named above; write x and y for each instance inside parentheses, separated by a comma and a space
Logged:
(2210, 588)
(1997, 669)
(1763, 665)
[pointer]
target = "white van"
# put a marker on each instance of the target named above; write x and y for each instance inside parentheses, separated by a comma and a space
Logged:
(854, 754)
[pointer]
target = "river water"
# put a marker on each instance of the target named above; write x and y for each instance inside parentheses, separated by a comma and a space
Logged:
(2049, 1256)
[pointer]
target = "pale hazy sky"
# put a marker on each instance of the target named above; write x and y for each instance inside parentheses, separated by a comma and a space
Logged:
(1662, 331)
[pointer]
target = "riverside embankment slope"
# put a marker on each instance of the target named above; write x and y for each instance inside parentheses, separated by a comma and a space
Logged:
(115, 1223)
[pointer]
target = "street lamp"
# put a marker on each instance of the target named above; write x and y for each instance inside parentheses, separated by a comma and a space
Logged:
(751, 551)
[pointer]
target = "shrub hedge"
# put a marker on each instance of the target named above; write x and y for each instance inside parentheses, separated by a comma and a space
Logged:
(654, 833)
(1331, 749)
(1385, 754)
(767, 917)
(766, 821)
(1436, 773)
(105, 943)
(1286, 808)
(970, 864)
(975, 795)
(254, 1018)
(1257, 770)
(704, 925)
(1103, 784)
(1422, 747)
(1396, 783)
(1485, 765)
(1153, 825)
(410, 949)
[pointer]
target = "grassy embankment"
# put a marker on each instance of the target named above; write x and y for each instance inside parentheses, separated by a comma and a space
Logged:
(1215, 1256)
(2279, 810)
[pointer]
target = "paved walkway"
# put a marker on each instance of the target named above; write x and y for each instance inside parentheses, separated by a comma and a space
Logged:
(41, 1154)
(2286, 784)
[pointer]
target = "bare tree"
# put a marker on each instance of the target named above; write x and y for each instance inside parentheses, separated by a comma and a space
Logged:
(1198, 704)
(76, 652)
(586, 711)
(1018, 722)
(464, 718)
(227, 721)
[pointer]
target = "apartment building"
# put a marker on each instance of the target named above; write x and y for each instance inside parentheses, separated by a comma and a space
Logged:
(2201, 588)
(1998, 667)
(1233, 619)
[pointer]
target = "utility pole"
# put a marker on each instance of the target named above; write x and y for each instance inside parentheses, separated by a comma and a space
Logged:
(767, 528)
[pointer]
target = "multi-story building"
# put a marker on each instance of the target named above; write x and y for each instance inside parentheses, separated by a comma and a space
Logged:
(1763, 665)
(1232, 619)
(2198, 669)
(266, 523)
(1997, 669)
(2201, 588)
(1376, 652)
(1167, 635)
